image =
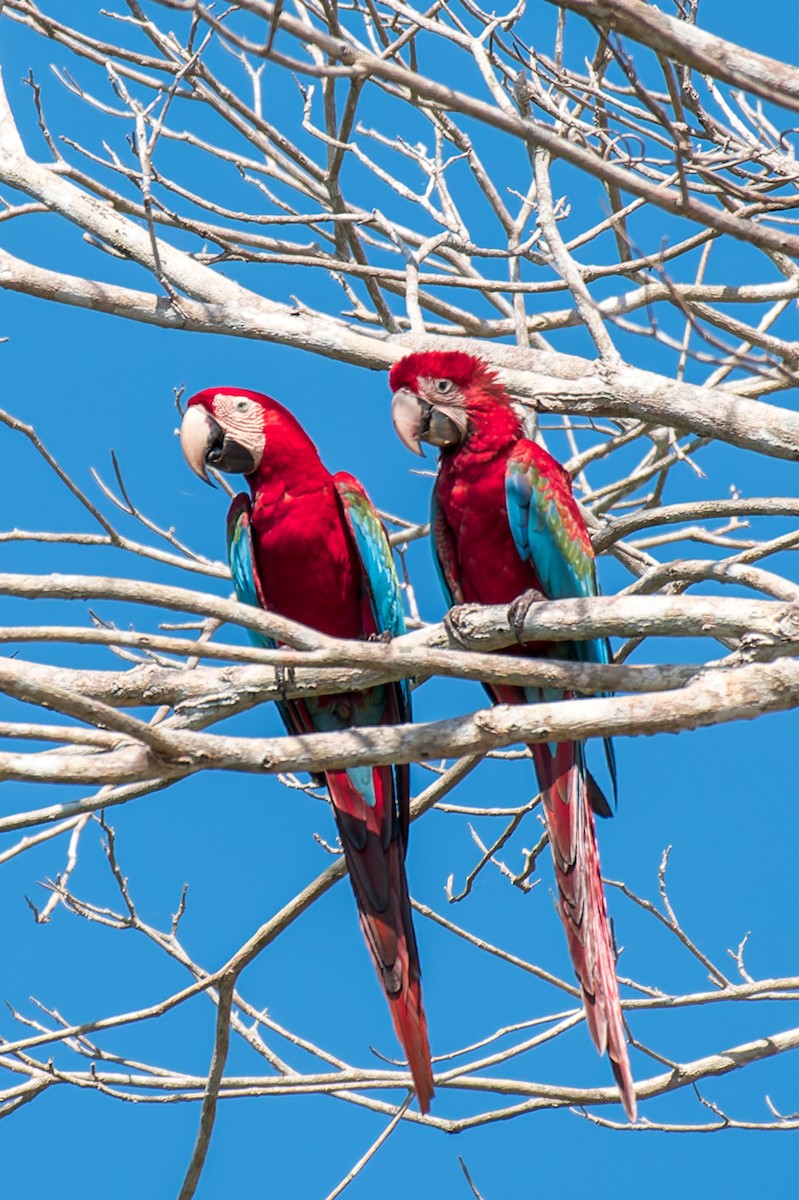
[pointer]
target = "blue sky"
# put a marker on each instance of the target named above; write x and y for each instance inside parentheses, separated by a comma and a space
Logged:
(721, 798)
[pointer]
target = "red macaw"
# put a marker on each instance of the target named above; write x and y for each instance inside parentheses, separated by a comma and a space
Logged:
(504, 522)
(311, 547)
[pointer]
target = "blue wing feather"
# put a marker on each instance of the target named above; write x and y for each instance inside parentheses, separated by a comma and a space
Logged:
(242, 563)
(245, 580)
(377, 563)
(562, 561)
(560, 555)
(444, 552)
(385, 600)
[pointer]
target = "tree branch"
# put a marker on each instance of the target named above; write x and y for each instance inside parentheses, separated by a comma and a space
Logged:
(684, 43)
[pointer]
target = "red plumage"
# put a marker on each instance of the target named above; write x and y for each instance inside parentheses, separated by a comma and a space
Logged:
(481, 562)
(463, 369)
(308, 568)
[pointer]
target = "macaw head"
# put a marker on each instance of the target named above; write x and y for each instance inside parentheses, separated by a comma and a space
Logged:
(443, 397)
(234, 430)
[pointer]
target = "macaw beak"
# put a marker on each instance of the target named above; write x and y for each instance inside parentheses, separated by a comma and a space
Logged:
(204, 443)
(198, 433)
(407, 413)
(417, 421)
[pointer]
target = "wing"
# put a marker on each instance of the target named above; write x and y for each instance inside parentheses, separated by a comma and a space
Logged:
(380, 583)
(444, 552)
(242, 563)
(383, 597)
(385, 914)
(550, 533)
(546, 523)
(241, 557)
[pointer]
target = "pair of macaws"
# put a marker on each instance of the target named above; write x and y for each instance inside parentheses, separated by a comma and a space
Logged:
(309, 545)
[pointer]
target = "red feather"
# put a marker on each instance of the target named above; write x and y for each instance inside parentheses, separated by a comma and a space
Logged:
(480, 563)
(377, 874)
(461, 368)
(309, 569)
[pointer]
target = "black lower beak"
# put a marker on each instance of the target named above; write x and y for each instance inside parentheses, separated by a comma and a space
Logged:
(216, 441)
(226, 454)
(436, 428)
(424, 420)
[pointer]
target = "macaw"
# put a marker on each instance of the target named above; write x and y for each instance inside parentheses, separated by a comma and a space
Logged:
(504, 524)
(310, 546)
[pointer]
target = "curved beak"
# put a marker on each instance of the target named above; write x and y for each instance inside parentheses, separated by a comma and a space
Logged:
(199, 432)
(407, 413)
(417, 421)
(205, 443)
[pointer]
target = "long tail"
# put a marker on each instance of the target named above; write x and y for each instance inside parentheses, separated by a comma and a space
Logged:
(374, 848)
(565, 786)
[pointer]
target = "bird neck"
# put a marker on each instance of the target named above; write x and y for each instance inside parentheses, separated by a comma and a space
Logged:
(494, 426)
(290, 463)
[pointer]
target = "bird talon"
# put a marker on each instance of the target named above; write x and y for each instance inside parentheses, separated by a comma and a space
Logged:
(454, 623)
(284, 677)
(519, 609)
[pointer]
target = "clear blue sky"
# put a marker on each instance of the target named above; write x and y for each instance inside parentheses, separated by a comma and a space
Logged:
(722, 798)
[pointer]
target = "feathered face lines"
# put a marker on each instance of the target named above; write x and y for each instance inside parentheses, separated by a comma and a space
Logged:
(224, 428)
(434, 413)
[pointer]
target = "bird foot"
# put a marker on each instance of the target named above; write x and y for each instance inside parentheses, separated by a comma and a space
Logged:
(519, 609)
(385, 636)
(456, 623)
(284, 678)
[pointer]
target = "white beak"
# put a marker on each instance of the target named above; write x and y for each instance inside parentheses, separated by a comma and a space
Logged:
(196, 435)
(406, 413)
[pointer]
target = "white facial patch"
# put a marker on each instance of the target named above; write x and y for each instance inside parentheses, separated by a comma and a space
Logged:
(242, 419)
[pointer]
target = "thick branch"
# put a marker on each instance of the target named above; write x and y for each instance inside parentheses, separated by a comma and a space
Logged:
(472, 626)
(219, 692)
(682, 42)
(717, 698)
(554, 382)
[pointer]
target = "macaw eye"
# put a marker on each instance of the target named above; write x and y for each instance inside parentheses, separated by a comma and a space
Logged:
(444, 386)
(243, 405)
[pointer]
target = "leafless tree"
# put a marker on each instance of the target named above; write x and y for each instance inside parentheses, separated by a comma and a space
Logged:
(434, 179)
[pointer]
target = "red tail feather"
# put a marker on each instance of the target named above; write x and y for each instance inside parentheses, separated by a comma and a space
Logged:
(375, 854)
(581, 901)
